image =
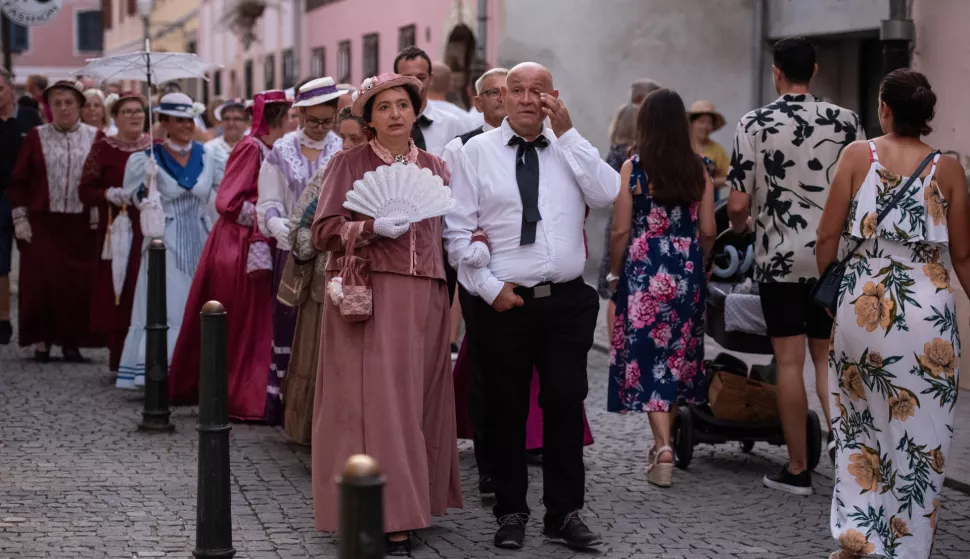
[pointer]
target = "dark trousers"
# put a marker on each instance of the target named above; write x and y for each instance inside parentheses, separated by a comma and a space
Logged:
(553, 333)
(477, 403)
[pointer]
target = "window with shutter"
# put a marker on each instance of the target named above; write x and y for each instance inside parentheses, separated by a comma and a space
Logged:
(19, 41)
(269, 72)
(88, 31)
(343, 62)
(318, 64)
(371, 53)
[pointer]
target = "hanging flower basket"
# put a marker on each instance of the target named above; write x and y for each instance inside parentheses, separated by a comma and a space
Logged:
(242, 19)
(250, 9)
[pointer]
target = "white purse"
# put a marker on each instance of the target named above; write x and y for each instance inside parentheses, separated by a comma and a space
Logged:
(152, 216)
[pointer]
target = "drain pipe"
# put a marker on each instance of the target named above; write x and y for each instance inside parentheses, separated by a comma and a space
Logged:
(758, 53)
(481, 50)
(896, 34)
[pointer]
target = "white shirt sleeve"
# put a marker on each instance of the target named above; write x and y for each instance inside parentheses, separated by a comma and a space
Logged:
(599, 182)
(459, 226)
(272, 186)
(450, 154)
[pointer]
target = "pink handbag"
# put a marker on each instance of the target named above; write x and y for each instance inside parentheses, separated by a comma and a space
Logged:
(357, 304)
(260, 257)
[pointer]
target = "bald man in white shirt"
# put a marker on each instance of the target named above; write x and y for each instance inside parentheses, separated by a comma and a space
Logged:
(527, 187)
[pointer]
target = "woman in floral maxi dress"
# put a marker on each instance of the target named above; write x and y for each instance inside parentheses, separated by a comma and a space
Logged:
(663, 227)
(895, 346)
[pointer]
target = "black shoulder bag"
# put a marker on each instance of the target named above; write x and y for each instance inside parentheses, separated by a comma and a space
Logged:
(826, 290)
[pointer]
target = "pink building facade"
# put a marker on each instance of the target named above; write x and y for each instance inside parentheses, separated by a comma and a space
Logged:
(60, 47)
(348, 40)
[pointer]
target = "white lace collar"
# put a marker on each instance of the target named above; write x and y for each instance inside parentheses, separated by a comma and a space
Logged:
(309, 142)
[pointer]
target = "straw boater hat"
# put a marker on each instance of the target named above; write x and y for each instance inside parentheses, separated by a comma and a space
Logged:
(317, 92)
(373, 86)
(707, 108)
(240, 104)
(66, 85)
(176, 104)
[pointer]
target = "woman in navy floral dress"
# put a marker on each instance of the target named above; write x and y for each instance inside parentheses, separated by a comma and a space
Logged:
(663, 228)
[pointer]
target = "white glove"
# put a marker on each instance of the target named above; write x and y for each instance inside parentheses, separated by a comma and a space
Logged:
(116, 196)
(281, 231)
(151, 170)
(391, 227)
(476, 255)
(21, 229)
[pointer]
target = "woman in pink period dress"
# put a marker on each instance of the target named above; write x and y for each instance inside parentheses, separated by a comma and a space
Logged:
(384, 385)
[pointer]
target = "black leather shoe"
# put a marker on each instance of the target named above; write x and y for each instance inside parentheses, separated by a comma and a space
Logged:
(511, 531)
(6, 332)
(486, 485)
(42, 356)
(400, 548)
(72, 355)
(571, 531)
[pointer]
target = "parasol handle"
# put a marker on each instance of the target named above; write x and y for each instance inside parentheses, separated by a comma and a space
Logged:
(151, 127)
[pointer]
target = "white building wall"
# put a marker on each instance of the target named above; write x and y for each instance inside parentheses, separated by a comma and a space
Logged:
(700, 48)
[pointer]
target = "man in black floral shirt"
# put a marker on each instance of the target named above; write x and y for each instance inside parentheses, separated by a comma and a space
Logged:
(784, 158)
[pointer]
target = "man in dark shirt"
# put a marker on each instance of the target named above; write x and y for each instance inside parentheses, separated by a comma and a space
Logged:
(15, 121)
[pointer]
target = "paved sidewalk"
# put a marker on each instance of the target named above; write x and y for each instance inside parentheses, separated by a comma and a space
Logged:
(77, 481)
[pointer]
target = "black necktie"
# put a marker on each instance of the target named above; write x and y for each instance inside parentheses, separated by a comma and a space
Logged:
(527, 175)
(417, 134)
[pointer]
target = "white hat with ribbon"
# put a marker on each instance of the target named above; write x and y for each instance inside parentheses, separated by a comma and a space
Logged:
(317, 92)
(176, 104)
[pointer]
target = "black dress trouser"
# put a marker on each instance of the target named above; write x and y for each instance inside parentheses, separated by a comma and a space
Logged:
(554, 333)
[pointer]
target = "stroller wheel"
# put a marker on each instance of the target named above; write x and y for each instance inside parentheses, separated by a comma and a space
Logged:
(814, 440)
(683, 437)
(746, 446)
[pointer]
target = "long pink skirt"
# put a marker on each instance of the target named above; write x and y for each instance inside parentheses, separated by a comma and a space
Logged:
(384, 388)
(533, 425)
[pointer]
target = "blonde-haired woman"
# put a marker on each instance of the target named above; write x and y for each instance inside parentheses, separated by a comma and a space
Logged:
(94, 113)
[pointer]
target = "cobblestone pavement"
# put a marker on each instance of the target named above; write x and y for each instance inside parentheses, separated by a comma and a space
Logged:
(958, 460)
(77, 481)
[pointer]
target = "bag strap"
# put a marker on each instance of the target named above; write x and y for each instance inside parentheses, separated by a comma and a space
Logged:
(355, 230)
(896, 199)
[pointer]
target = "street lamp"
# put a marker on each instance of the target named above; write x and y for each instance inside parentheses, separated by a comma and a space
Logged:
(145, 11)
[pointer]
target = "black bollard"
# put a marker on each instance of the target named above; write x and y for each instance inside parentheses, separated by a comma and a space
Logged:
(155, 416)
(361, 509)
(213, 524)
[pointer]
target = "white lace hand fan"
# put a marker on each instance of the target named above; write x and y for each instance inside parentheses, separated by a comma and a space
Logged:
(400, 190)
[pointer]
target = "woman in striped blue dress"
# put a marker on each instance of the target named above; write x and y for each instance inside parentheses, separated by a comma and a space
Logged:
(187, 179)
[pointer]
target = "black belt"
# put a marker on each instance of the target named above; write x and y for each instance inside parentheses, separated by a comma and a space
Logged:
(546, 289)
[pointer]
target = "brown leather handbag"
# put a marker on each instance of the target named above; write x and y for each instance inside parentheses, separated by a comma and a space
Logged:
(295, 282)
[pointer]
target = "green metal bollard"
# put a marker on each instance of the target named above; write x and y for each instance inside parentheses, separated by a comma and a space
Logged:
(213, 525)
(155, 415)
(361, 509)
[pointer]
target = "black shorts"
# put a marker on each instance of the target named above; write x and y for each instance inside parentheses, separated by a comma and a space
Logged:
(790, 311)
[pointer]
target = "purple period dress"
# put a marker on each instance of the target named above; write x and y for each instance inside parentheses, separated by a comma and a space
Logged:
(284, 175)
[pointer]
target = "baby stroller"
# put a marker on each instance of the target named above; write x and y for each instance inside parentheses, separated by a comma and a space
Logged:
(734, 320)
